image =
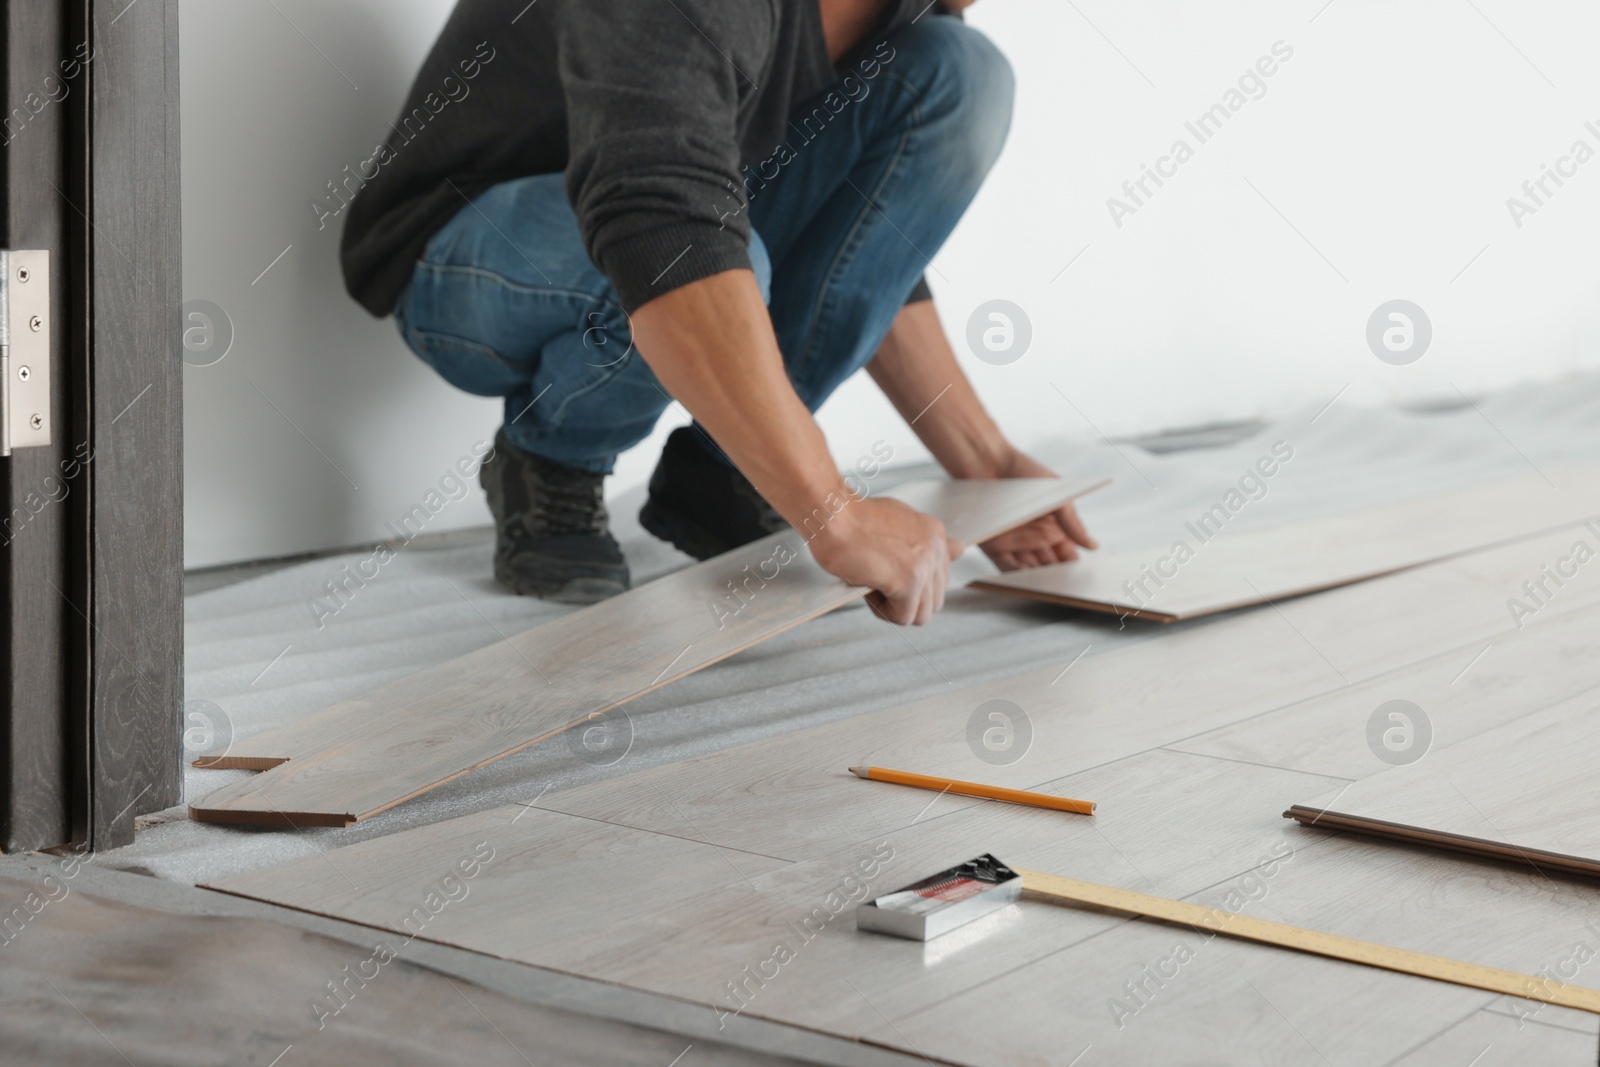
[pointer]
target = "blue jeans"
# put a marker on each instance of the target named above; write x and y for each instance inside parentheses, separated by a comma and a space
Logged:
(505, 301)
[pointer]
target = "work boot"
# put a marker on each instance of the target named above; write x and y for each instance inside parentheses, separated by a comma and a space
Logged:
(701, 504)
(551, 537)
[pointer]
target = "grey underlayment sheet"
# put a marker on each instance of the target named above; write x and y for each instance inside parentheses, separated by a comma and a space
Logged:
(255, 649)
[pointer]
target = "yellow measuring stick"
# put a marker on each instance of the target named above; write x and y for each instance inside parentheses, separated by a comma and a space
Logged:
(1070, 890)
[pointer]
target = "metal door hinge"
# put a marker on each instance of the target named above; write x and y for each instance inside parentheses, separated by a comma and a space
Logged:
(24, 350)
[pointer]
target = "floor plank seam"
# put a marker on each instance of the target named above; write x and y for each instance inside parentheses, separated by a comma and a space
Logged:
(1253, 763)
(1436, 1035)
(975, 802)
(1591, 1029)
(580, 976)
(1397, 669)
(658, 833)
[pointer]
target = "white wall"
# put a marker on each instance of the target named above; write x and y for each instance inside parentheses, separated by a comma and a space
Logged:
(1390, 141)
(318, 425)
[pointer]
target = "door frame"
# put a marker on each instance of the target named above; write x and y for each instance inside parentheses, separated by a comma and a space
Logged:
(91, 538)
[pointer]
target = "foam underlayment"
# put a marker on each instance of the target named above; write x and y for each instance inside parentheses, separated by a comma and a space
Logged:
(259, 651)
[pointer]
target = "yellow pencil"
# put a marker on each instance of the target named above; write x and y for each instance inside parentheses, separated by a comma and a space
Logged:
(975, 789)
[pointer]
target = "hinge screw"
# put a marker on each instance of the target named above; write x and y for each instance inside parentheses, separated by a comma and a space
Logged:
(24, 373)
(22, 274)
(37, 422)
(36, 324)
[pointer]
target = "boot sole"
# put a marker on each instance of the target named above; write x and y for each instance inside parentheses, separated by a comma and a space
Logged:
(683, 534)
(587, 589)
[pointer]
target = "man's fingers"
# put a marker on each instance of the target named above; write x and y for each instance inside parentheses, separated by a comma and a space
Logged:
(941, 571)
(1068, 518)
(907, 570)
(891, 609)
(1065, 552)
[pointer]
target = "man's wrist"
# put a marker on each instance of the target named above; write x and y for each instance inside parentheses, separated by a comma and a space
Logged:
(980, 455)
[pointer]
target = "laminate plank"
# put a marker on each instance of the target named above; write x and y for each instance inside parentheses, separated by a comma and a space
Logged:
(368, 754)
(1485, 1039)
(791, 795)
(1136, 999)
(1524, 792)
(1202, 575)
(627, 911)
(163, 988)
(540, 879)
(1217, 842)
(967, 508)
(1030, 984)
(1534, 1011)
(1459, 694)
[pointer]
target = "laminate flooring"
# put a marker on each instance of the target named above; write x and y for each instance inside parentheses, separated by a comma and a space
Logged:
(365, 755)
(90, 979)
(727, 880)
(1211, 569)
(1525, 792)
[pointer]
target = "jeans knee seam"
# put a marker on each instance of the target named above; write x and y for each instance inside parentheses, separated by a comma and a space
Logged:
(509, 283)
(490, 350)
(611, 372)
(847, 247)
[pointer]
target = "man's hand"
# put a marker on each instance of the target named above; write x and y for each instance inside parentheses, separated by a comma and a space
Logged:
(711, 344)
(898, 552)
(919, 374)
(1052, 538)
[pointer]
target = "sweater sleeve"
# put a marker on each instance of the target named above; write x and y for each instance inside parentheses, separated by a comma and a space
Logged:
(653, 93)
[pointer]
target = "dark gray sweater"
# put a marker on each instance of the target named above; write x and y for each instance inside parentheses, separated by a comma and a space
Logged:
(651, 107)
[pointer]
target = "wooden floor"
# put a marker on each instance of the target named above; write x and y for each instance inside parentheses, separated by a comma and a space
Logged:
(366, 755)
(728, 880)
(1526, 791)
(1212, 573)
(90, 979)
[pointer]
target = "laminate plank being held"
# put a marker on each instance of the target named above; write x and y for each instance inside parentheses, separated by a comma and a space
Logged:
(1210, 569)
(368, 754)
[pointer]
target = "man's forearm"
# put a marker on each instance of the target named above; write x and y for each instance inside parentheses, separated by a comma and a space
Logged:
(711, 344)
(918, 372)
